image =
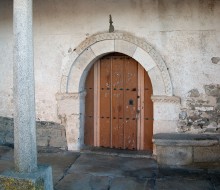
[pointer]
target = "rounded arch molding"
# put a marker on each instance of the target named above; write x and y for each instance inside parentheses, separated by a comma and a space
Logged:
(77, 63)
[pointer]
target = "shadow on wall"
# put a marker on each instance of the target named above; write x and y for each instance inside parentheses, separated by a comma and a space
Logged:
(49, 134)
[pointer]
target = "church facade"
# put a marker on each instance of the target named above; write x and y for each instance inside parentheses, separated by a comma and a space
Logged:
(117, 74)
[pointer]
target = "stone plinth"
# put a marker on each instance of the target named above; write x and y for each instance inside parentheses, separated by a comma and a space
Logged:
(174, 155)
(41, 179)
(185, 149)
(70, 110)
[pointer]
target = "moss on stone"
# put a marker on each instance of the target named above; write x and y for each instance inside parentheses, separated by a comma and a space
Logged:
(10, 183)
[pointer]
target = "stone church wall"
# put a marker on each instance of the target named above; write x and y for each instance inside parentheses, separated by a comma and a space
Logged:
(185, 33)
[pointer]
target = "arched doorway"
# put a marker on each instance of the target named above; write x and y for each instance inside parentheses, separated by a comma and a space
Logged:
(118, 105)
(77, 64)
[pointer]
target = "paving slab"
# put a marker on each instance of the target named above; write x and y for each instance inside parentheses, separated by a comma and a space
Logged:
(74, 181)
(115, 166)
(182, 172)
(122, 183)
(150, 184)
(183, 184)
(141, 173)
(140, 168)
(83, 182)
(100, 182)
(96, 170)
(60, 162)
(215, 179)
(101, 165)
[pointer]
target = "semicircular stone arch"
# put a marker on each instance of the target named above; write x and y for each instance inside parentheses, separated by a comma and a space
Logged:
(76, 65)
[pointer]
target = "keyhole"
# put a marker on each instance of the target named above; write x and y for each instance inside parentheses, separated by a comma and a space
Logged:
(131, 102)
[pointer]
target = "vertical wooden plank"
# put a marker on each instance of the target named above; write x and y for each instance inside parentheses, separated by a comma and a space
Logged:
(141, 78)
(96, 103)
(111, 107)
(148, 113)
(138, 110)
(105, 102)
(117, 102)
(130, 103)
(89, 109)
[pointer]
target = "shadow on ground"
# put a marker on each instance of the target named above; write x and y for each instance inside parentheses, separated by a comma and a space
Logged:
(103, 171)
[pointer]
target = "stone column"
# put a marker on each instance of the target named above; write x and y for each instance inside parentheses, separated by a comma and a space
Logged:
(28, 174)
(24, 95)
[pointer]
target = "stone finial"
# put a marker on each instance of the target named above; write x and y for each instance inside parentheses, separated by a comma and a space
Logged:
(111, 27)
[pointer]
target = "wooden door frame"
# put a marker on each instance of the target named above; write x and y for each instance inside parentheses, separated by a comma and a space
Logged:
(97, 103)
(140, 125)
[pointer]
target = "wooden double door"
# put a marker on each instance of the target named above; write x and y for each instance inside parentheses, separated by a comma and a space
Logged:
(118, 106)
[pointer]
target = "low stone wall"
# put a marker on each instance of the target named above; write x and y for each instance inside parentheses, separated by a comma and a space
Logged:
(186, 149)
(49, 134)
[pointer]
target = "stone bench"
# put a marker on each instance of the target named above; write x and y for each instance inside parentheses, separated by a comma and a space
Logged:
(186, 149)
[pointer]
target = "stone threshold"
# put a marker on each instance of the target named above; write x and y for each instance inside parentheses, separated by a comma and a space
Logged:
(117, 152)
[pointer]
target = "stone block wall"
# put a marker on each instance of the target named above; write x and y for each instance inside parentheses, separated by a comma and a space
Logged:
(49, 134)
(202, 111)
(186, 149)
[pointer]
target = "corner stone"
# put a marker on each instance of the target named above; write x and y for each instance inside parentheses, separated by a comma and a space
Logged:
(174, 155)
(38, 180)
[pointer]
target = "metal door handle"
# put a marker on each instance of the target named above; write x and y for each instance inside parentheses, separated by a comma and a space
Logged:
(137, 114)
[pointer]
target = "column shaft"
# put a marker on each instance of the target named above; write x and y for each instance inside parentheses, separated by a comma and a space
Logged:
(24, 93)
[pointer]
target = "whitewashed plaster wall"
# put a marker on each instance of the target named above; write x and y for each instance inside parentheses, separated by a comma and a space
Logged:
(185, 33)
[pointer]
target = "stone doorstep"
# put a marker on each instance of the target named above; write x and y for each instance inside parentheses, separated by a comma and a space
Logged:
(38, 180)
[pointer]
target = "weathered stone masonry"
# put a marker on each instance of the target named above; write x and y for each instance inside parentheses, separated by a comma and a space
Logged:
(202, 111)
(49, 134)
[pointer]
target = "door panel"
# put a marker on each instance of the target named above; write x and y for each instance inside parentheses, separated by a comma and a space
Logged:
(148, 113)
(117, 133)
(117, 111)
(89, 111)
(105, 102)
(130, 134)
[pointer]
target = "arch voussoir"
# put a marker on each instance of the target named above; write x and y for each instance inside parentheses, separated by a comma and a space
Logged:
(128, 44)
